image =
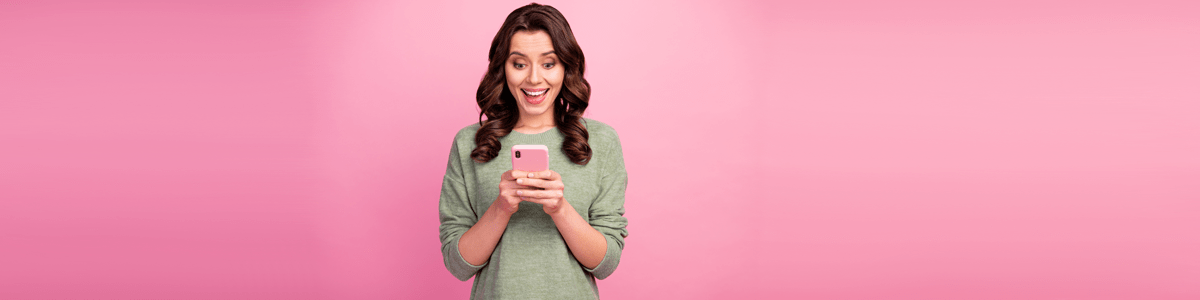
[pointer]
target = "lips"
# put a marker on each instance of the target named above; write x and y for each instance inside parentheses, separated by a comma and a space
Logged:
(535, 96)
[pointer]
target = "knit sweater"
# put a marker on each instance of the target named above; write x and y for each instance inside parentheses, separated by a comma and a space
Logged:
(531, 260)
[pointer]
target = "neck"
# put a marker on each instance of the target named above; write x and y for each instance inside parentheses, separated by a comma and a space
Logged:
(535, 123)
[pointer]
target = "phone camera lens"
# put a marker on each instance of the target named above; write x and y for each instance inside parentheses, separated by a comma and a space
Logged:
(518, 154)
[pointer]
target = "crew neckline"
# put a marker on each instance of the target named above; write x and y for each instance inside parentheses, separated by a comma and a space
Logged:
(552, 128)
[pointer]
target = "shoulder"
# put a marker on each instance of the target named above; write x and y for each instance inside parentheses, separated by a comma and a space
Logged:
(606, 146)
(464, 140)
(466, 134)
(599, 131)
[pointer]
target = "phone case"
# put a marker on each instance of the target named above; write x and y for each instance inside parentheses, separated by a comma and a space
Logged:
(530, 158)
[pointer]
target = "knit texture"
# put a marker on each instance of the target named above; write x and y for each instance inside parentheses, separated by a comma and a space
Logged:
(531, 260)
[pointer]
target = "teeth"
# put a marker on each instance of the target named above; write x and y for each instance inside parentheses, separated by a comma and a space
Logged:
(538, 93)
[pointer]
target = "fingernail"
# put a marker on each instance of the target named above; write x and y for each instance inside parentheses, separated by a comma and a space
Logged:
(518, 193)
(520, 180)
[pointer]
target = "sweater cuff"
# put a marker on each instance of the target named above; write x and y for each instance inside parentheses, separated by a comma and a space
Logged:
(458, 265)
(612, 256)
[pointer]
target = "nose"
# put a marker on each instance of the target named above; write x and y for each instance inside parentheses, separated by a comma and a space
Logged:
(535, 76)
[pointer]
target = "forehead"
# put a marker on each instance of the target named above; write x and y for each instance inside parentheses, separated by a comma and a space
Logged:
(531, 43)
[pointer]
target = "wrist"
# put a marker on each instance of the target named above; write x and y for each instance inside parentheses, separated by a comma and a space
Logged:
(563, 211)
(498, 214)
(499, 210)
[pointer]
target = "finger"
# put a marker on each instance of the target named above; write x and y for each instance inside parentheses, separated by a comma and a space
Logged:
(540, 201)
(540, 194)
(510, 186)
(535, 174)
(516, 183)
(507, 175)
(519, 174)
(540, 183)
(511, 189)
(547, 175)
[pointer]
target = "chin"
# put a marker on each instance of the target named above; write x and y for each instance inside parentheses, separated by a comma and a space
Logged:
(536, 111)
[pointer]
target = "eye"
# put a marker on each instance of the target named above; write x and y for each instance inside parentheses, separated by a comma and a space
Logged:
(548, 65)
(518, 65)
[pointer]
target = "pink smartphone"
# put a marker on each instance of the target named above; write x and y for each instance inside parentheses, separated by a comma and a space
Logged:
(530, 158)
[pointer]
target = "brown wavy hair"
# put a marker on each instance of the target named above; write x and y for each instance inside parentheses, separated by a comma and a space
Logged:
(496, 102)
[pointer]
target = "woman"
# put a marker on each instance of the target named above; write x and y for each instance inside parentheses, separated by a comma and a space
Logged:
(534, 235)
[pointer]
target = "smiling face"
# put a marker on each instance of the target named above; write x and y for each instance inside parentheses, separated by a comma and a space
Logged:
(534, 74)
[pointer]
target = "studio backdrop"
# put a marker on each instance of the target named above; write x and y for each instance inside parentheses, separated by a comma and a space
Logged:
(775, 149)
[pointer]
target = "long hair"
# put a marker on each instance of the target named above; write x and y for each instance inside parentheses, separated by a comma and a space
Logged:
(496, 102)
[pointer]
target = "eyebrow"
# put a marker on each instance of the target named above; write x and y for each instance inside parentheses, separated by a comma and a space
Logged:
(523, 54)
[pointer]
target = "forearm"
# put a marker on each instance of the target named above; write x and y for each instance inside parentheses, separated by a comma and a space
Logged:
(476, 245)
(586, 243)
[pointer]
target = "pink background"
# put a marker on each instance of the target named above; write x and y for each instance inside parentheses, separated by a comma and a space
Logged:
(858, 150)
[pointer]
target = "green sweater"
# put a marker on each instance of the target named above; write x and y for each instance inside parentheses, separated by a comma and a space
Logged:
(531, 260)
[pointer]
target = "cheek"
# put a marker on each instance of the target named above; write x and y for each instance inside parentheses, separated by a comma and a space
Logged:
(556, 78)
(512, 77)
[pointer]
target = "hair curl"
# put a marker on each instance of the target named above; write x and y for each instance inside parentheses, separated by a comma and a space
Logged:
(496, 102)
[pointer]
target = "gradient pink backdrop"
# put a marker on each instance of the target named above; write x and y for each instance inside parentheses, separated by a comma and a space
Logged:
(854, 150)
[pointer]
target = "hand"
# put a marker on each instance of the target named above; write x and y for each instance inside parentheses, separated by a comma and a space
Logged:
(508, 201)
(545, 188)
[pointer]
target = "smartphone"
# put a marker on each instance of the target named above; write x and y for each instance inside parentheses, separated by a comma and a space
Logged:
(530, 158)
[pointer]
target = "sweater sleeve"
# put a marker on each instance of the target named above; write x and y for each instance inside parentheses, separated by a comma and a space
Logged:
(607, 212)
(457, 216)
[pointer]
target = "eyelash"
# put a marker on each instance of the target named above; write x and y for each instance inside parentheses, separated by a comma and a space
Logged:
(522, 66)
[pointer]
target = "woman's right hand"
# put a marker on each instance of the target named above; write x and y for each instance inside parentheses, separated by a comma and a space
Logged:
(508, 201)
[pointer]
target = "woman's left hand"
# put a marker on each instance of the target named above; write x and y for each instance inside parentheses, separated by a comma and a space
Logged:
(551, 194)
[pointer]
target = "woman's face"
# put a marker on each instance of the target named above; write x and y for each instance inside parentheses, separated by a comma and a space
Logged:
(534, 74)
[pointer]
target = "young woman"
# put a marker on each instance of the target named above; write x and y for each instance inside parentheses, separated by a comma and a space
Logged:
(534, 235)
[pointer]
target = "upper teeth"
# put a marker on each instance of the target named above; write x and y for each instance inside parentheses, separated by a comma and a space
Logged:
(537, 93)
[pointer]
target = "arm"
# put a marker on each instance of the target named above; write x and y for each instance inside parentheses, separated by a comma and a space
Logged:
(586, 244)
(607, 216)
(468, 239)
(592, 248)
(456, 216)
(477, 244)
(607, 212)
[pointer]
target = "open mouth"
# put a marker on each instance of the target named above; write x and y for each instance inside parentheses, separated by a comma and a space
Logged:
(535, 96)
